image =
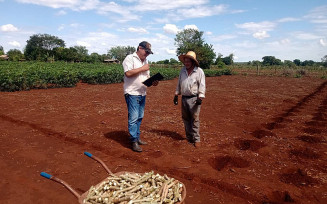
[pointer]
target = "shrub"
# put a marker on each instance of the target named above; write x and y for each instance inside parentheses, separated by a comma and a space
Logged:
(287, 72)
(301, 72)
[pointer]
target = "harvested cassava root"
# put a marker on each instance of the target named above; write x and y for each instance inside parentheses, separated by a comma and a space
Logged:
(131, 188)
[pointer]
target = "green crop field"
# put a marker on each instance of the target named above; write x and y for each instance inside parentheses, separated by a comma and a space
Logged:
(18, 76)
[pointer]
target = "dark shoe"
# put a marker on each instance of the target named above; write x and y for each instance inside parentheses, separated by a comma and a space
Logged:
(141, 142)
(197, 144)
(136, 147)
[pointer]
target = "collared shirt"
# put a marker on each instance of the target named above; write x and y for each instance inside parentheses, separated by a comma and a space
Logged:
(133, 85)
(192, 84)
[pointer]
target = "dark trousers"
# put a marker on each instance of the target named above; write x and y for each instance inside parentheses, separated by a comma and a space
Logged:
(190, 116)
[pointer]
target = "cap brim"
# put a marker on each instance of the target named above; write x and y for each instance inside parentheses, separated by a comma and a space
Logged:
(149, 51)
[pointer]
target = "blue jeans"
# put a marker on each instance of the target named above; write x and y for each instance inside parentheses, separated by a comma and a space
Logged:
(135, 106)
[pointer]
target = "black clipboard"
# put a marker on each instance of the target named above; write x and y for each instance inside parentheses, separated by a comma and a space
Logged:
(156, 77)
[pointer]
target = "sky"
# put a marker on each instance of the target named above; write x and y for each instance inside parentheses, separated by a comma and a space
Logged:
(248, 29)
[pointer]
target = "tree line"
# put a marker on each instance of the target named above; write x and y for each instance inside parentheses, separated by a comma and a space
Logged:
(45, 47)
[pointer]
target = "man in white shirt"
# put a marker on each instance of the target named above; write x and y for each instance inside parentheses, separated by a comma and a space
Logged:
(191, 85)
(137, 70)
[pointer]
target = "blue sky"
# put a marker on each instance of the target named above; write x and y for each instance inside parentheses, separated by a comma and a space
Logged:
(250, 29)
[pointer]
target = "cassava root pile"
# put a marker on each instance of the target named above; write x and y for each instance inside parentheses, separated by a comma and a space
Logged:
(131, 188)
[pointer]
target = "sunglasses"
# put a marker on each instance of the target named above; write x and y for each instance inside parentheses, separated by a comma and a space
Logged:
(147, 52)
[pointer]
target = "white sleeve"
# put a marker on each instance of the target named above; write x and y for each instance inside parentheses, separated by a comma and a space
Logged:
(202, 85)
(128, 63)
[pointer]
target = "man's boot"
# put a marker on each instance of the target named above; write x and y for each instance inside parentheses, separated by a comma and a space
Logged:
(136, 147)
(141, 142)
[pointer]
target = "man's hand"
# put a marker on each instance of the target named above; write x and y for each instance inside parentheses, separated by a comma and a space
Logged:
(134, 72)
(145, 67)
(176, 100)
(198, 101)
(155, 83)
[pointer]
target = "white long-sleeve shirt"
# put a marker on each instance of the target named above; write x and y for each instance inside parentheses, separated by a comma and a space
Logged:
(193, 84)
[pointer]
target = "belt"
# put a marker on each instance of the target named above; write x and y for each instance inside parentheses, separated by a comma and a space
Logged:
(189, 96)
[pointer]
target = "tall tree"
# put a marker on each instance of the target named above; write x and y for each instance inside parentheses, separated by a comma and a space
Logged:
(192, 40)
(297, 62)
(41, 46)
(308, 63)
(205, 55)
(173, 61)
(120, 52)
(228, 60)
(219, 58)
(2, 52)
(324, 61)
(15, 55)
(95, 57)
(289, 63)
(271, 60)
(187, 40)
(66, 54)
(82, 53)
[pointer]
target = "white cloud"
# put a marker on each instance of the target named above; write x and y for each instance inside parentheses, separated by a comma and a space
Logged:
(101, 35)
(306, 36)
(170, 52)
(279, 44)
(246, 44)
(323, 42)
(53, 3)
(89, 4)
(14, 43)
(261, 35)
(162, 20)
(8, 28)
(289, 19)
(98, 42)
(111, 8)
(61, 13)
(223, 37)
(107, 25)
(61, 27)
(318, 15)
(285, 41)
(102, 7)
(83, 43)
(255, 27)
(137, 30)
(162, 38)
(258, 30)
(171, 29)
(201, 11)
(195, 11)
(208, 33)
(235, 57)
(71, 4)
(155, 5)
(75, 25)
(191, 27)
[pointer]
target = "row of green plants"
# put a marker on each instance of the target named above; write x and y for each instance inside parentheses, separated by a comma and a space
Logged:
(18, 76)
(279, 70)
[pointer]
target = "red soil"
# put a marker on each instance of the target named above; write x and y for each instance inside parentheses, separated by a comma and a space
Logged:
(263, 141)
